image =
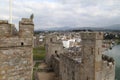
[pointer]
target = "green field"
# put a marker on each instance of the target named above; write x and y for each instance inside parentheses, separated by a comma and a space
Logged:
(39, 53)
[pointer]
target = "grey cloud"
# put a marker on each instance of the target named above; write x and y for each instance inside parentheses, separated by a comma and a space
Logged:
(60, 13)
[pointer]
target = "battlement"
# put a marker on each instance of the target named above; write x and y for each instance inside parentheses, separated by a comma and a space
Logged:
(3, 22)
(108, 68)
(76, 57)
(26, 28)
(16, 58)
(26, 21)
(72, 54)
(92, 35)
(51, 38)
(108, 59)
(84, 63)
(71, 59)
(5, 28)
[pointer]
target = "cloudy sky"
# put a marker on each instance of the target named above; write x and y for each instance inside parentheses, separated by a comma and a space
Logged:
(61, 13)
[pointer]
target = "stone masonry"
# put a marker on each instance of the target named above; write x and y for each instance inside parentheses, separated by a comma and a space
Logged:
(53, 47)
(16, 59)
(88, 64)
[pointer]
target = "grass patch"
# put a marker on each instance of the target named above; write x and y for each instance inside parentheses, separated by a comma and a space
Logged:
(39, 53)
(36, 64)
(33, 78)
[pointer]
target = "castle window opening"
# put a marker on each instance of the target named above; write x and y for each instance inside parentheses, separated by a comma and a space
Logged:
(92, 50)
(50, 39)
(87, 78)
(55, 51)
(98, 51)
(73, 74)
(22, 44)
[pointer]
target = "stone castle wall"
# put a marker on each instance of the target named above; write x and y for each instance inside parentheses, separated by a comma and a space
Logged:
(89, 64)
(92, 66)
(16, 60)
(108, 68)
(70, 69)
(74, 69)
(52, 48)
(56, 64)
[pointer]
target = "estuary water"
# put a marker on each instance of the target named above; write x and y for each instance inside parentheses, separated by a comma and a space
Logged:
(115, 53)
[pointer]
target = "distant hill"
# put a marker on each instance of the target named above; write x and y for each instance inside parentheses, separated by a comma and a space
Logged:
(111, 27)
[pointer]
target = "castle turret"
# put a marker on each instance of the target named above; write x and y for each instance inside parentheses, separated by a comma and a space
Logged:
(7, 29)
(53, 47)
(16, 52)
(26, 28)
(4, 28)
(92, 56)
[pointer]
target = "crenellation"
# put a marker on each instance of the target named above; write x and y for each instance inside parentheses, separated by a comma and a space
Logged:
(16, 61)
(91, 35)
(108, 59)
(5, 30)
(3, 21)
(86, 63)
(53, 47)
(26, 28)
(26, 21)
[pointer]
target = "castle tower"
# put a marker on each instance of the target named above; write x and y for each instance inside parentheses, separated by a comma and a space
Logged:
(92, 56)
(26, 28)
(4, 28)
(53, 47)
(16, 52)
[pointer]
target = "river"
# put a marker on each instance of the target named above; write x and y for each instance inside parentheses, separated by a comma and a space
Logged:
(115, 53)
